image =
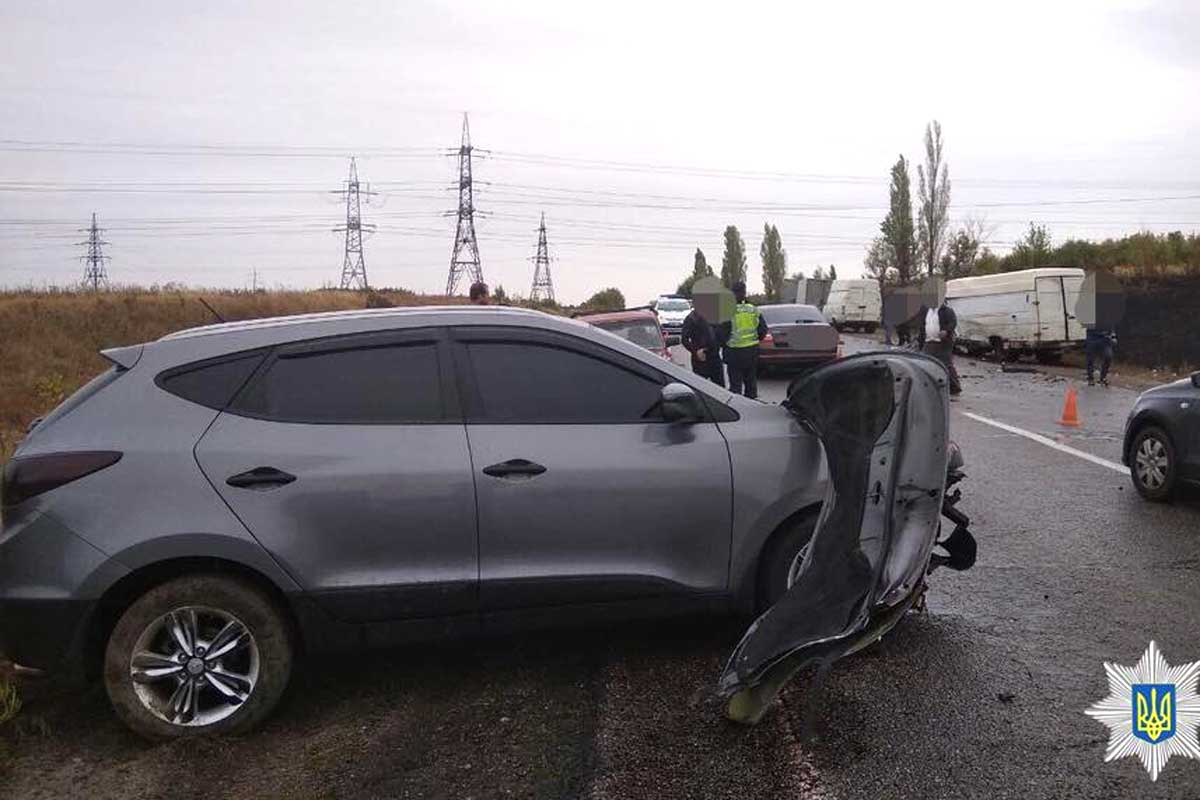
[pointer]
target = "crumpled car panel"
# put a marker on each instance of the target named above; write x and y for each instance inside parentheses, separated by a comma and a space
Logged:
(883, 419)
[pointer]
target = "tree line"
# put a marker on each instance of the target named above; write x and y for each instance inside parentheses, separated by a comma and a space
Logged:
(917, 241)
(734, 268)
(1141, 254)
(903, 252)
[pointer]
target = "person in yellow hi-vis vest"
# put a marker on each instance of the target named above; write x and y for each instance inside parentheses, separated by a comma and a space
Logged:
(741, 336)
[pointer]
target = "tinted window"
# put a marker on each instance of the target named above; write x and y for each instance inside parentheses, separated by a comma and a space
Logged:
(213, 384)
(642, 332)
(790, 314)
(541, 383)
(394, 383)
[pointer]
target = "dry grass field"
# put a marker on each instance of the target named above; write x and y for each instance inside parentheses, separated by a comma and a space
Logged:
(49, 340)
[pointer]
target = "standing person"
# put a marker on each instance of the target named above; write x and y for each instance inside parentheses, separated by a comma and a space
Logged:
(479, 294)
(700, 340)
(939, 327)
(744, 332)
(1099, 343)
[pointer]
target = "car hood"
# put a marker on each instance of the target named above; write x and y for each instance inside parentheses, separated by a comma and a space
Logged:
(883, 419)
(1180, 388)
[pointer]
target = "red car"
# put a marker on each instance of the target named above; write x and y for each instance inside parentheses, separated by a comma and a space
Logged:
(637, 325)
(798, 336)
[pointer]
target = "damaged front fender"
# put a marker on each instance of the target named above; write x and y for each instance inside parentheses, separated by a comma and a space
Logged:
(883, 419)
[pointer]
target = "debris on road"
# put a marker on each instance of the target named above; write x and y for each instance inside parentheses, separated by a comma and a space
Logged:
(874, 540)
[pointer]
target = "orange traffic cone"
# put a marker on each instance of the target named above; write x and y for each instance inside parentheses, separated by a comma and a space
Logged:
(1070, 412)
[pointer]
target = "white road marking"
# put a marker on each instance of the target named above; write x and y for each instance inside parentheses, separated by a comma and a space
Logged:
(1037, 437)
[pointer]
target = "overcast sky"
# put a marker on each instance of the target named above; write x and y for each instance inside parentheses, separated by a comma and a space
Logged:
(208, 137)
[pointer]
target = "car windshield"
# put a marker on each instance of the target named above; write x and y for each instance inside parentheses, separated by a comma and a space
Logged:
(642, 332)
(790, 314)
(673, 305)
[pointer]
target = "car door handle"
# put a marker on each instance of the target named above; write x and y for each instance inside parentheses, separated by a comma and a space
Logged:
(264, 477)
(514, 466)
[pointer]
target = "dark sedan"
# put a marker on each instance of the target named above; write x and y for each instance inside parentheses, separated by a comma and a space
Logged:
(798, 336)
(1162, 438)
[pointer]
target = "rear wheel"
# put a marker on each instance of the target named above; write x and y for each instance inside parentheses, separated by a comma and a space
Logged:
(202, 654)
(1152, 464)
(782, 559)
(1049, 356)
(998, 350)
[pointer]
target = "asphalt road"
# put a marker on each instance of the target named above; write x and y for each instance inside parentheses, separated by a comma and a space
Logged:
(981, 696)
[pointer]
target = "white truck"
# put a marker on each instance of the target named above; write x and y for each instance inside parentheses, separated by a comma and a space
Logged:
(854, 304)
(1015, 313)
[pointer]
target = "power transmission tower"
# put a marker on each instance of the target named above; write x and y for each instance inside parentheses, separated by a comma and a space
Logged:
(543, 287)
(94, 273)
(465, 257)
(354, 267)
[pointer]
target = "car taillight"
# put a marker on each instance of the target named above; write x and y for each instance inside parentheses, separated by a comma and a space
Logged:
(839, 352)
(29, 476)
(768, 339)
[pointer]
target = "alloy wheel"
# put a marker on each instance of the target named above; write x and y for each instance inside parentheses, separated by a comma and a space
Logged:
(1152, 463)
(194, 666)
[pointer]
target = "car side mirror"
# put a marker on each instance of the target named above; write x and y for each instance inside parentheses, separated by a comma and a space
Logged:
(1196, 379)
(673, 340)
(680, 404)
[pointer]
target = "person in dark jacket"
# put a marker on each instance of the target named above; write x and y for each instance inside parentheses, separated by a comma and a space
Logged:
(1099, 344)
(700, 339)
(740, 337)
(942, 347)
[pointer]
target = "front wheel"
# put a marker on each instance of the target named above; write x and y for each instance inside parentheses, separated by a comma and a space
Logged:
(782, 559)
(202, 654)
(1152, 465)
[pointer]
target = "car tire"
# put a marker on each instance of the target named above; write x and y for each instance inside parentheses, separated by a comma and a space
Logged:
(778, 557)
(1152, 465)
(180, 621)
(1049, 357)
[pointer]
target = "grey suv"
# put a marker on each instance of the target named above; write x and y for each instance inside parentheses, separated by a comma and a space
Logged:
(225, 497)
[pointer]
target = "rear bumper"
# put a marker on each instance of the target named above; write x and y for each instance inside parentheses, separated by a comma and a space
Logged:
(45, 634)
(784, 356)
(50, 584)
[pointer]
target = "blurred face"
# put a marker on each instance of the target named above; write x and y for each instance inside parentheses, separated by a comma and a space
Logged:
(1101, 300)
(712, 300)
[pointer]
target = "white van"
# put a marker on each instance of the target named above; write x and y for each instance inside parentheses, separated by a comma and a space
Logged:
(1014, 313)
(853, 304)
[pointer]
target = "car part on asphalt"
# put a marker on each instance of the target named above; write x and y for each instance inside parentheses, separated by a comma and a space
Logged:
(883, 419)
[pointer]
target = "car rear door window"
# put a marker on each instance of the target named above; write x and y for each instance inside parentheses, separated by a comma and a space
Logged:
(641, 332)
(536, 383)
(211, 384)
(395, 383)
